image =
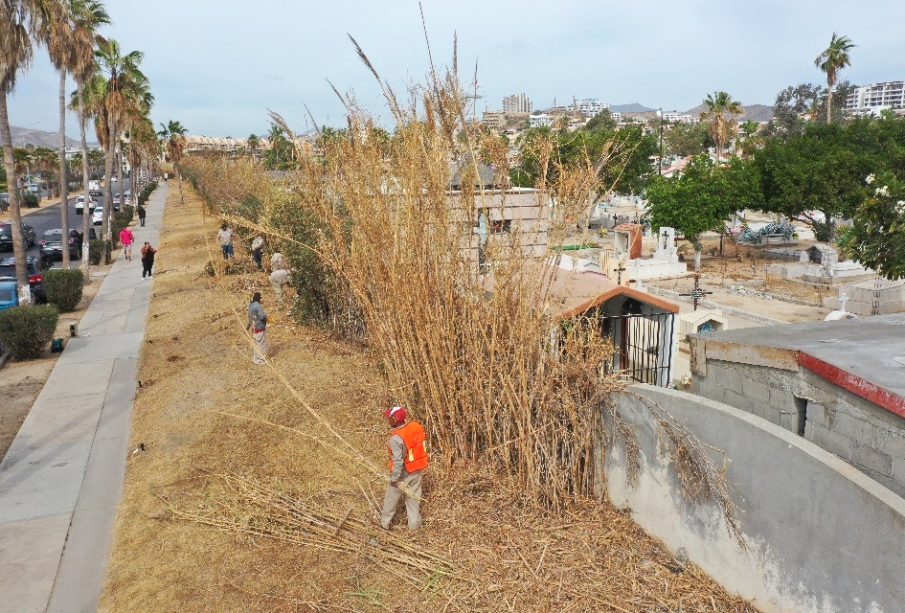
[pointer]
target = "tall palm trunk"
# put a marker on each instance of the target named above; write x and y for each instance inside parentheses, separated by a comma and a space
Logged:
(14, 202)
(64, 192)
(86, 210)
(119, 173)
(108, 183)
(829, 102)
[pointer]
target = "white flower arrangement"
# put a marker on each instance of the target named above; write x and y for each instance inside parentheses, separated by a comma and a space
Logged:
(870, 178)
(882, 191)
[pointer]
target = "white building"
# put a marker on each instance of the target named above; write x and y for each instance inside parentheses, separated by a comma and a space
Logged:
(677, 117)
(540, 120)
(517, 104)
(589, 107)
(872, 99)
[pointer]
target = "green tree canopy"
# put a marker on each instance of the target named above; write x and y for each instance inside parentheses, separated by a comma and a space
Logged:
(877, 236)
(703, 197)
(823, 169)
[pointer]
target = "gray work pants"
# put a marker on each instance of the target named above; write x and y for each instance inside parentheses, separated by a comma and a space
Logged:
(412, 484)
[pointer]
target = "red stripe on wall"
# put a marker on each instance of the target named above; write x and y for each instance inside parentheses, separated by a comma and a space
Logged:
(856, 385)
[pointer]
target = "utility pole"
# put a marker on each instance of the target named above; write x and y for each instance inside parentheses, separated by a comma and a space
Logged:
(660, 161)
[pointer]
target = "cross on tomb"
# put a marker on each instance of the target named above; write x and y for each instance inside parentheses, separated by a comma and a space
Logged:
(619, 272)
(697, 293)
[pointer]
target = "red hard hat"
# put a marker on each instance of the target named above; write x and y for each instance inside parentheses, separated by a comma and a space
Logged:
(396, 415)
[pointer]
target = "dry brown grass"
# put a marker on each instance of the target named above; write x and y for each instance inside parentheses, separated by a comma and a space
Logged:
(505, 553)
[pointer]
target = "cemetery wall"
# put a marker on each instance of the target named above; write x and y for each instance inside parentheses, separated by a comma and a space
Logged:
(868, 436)
(819, 536)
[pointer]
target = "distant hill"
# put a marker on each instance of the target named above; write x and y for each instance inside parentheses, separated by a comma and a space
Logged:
(40, 138)
(753, 112)
(634, 107)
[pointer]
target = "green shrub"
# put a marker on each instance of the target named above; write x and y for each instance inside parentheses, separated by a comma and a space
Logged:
(99, 248)
(146, 192)
(64, 288)
(30, 201)
(26, 331)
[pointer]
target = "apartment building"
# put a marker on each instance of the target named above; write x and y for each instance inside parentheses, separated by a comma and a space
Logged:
(517, 104)
(589, 107)
(872, 99)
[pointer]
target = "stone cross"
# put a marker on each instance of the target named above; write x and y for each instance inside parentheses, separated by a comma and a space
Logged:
(843, 300)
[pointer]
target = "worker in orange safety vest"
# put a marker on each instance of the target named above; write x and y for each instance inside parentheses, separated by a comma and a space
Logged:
(408, 460)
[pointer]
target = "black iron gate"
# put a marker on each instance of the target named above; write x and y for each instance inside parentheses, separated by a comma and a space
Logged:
(643, 345)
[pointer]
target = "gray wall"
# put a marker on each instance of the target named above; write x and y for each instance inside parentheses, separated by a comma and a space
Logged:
(868, 436)
(820, 536)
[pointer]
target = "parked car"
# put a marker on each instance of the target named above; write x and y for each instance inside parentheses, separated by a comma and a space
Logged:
(97, 218)
(80, 205)
(116, 202)
(52, 245)
(9, 297)
(4, 201)
(6, 235)
(35, 272)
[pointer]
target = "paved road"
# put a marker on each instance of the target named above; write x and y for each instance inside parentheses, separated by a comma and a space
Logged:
(49, 219)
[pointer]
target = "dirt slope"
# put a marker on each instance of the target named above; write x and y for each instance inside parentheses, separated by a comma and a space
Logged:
(482, 546)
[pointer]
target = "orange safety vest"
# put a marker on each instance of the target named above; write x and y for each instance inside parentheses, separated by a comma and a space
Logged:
(415, 439)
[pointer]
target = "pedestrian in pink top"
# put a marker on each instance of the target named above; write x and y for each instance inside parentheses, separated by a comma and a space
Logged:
(127, 238)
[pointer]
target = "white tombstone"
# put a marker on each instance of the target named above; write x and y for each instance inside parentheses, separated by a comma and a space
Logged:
(666, 246)
(803, 257)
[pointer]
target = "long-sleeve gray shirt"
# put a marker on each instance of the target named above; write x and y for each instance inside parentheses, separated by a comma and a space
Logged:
(257, 316)
(397, 447)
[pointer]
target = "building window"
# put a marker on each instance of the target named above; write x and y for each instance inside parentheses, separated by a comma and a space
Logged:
(501, 226)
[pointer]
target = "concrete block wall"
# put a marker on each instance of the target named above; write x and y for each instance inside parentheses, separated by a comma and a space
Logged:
(867, 436)
(820, 536)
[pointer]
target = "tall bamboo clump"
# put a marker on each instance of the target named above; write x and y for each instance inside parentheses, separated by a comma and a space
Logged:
(384, 252)
(475, 349)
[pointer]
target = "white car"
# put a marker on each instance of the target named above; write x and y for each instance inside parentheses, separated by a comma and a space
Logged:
(98, 217)
(80, 205)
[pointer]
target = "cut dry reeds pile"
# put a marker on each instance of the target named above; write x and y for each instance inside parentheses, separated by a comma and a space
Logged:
(249, 506)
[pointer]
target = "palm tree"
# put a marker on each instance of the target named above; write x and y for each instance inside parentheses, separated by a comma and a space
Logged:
(720, 113)
(173, 135)
(57, 35)
(124, 86)
(87, 16)
(19, 21)
(254, 143)
(833, 59)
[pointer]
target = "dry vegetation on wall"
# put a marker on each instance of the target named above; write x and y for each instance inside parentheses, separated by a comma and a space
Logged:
(239, 499)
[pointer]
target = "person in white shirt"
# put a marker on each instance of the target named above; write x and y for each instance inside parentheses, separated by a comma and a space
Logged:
(225, 238)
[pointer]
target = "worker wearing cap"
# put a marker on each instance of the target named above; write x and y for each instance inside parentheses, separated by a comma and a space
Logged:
(408, 460)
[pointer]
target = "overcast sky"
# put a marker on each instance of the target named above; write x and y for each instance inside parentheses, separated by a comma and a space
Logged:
(217, 65)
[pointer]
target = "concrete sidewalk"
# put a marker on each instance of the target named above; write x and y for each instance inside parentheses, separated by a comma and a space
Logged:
(62, 478)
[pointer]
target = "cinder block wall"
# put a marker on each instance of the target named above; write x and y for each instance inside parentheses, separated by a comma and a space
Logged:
(865, 435)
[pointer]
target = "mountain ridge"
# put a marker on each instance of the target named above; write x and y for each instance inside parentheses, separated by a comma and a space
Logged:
(42, 138)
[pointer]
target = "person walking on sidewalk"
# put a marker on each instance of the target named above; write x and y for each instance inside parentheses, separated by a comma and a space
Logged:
(127, 238)
(147, 259)
(257, 251)
(141, 215)
(257, 324)
(408, 460)
(225, 238)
